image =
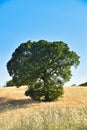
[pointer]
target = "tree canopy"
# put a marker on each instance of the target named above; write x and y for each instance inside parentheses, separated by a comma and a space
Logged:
(43, 66)
(9, 83)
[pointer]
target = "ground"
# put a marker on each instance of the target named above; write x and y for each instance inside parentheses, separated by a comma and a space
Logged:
(14, 105)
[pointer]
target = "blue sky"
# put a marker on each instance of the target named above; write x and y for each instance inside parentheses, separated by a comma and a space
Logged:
(23, 20)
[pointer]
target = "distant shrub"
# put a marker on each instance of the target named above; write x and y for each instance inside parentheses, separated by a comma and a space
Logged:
(73, 84)
(83, 84)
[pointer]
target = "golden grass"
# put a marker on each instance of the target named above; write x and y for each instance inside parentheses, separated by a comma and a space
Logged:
(14, 105)
(73, 96)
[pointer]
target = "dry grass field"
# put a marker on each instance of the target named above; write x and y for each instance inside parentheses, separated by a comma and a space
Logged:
(18, 112)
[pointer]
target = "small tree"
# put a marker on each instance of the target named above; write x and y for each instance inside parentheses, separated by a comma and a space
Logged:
(43, 66)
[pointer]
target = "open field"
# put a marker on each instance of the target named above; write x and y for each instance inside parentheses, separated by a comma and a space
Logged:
(18, 112)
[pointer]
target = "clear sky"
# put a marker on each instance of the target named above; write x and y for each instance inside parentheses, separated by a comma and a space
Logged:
(23, 20)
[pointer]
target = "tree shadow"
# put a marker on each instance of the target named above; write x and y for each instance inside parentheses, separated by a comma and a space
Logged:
(8, 104)
(2, 99)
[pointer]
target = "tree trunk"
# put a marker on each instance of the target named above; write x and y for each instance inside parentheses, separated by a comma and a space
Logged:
(46, 88)
(47, 98)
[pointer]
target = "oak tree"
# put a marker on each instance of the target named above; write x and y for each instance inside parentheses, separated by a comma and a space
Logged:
(43, 66)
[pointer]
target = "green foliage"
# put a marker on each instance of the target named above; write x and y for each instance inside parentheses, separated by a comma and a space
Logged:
(43, 66)
(10, 83)
(38, 92)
